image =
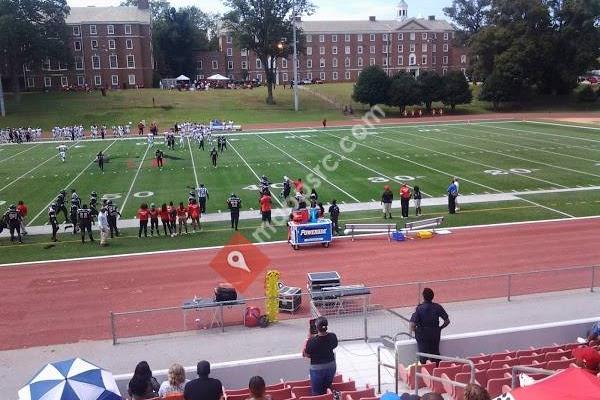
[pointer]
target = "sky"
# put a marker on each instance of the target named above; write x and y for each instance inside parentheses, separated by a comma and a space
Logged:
(326, 9)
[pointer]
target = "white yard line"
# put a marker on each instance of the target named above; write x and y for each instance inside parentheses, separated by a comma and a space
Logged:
(567, 126)
(193, 162)
(135, 178)
(70, 183)
(547, 208)
(343, 157)
(311, 170)
(466, 159)
(252, 170)
(12, 182)
(19, 153)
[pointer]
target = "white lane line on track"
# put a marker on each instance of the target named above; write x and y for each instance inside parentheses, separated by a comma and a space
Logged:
(69, 184)
(311, 170)
(135, 178)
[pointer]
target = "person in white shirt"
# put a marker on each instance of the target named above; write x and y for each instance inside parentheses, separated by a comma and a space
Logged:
(458, 193)
(103, 226)
(175, 383)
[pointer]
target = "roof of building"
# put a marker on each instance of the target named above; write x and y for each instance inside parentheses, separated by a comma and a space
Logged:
(368, 26)
(84, 15)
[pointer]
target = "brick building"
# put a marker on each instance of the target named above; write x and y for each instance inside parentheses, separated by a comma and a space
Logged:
(339, 50)
(111, 47)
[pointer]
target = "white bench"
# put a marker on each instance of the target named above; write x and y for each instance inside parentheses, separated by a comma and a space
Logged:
(424, 224)
(369, 228)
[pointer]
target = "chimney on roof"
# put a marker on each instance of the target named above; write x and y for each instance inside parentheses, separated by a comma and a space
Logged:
(298, 18)
(432, 18)
(143, 4)
(372, 18)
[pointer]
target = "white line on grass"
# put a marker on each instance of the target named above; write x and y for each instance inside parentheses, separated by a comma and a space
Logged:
(311, 170)
(252, 170)
(566, 125)
(357, 163)
(31, 170)
(70, 183)
(465, 159)
(135, 178)
(19, 153)
(193, 162)
(561, 136)
(449, 174)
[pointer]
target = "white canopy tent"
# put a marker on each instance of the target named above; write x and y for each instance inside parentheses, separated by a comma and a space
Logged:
(182, 78)
(217, 77)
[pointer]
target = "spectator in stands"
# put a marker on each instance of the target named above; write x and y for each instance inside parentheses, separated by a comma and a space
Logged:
(432, 395)
(594, 333)
(587, 358)
(408, 396)
(175, 383)
(425, 323)
(319, 348)
(257, 389)
(203, 388)
(143, 385)
(476, 392)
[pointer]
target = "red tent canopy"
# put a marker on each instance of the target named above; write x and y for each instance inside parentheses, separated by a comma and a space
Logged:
(570, 384)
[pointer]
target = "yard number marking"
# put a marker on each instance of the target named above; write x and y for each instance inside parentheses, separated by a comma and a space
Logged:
(381, 179)
(143, 194)
(111, 196)
(496, 172)
(256, 188)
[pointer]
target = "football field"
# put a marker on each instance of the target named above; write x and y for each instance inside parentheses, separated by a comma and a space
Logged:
(539, 162)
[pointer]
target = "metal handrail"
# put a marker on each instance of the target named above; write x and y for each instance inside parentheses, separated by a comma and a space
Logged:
(418, 375)
(382, 364)
(522, 368)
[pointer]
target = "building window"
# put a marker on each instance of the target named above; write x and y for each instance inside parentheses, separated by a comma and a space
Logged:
(129, 44)
(384, 61)
(79, 63)
(321, 38)
(229, 39)
(359, 49)
(309, 63)
(215, 64)
(433, 60)
(334, 62)
(199, 64)
(283, 63)
(423, 60)
(372, 49)
(76, 31)
(334, 38)
(412, 47)
(346, 38)
(309, 51)
(372, 37)
(445, 47)
(412, 59)
(30, 82)
(347, 62)
(244, 52)
(131, 79)
(433, 48)
(334, 50)
(309, 76)
(412, 36)
(93, 30)
(95, 62)
(359, 62)
(229, 64)
(229, 52)
(400, 48)
(347, 50)
(322, 76)
(384, 49)
(199, 77)
(334, 75)
(322, 63)
(284, 77)
(347, 75)
(130, 61)
(244, 64)
(128, 29)
(114, 80)
(77, 45)
(27, 67)
(359, 37)
(258, 63)
(46, 64)
(400, 60)
(424, 47)
(371, 61)
(463, 59)
(445, 35)
(110, 29)
(445, 60)
(444, 71)
(463, 70)
(97, 80)
(424, 35)
(321, 50)
(400, 36)
(385, 37)
(308, 38)
(94, 44)
(80, 80)
(47, 81)
(111, 44)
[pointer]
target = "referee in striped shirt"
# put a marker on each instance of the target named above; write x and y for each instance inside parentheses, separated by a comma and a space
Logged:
(202, 197)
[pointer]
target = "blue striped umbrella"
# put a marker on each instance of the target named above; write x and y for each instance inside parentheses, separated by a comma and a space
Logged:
(73, 379)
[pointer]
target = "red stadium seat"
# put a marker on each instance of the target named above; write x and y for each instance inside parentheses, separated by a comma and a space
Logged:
(174, 396)
(494, 386)
(275, 386)
(240, 396)
(528, 352)
(328, 396)
(436, 386)
(406, 374)
(479, 358)
(235, 392)
(500, 363)
(498, 373)
(358, 394)
(338, 378)
(293, 384)
(503, 355)
(349, 386)
(479, 366)
(560, 364)
(302, 391)
(557, 355)
(571, 346)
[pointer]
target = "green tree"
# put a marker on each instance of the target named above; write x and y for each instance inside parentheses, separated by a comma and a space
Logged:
(265, 28)
(432, 87)
(372, 86)
(157, 7)
(470, 16)
(403, 91)
(586, 94)
(31, 31)
(456, 89)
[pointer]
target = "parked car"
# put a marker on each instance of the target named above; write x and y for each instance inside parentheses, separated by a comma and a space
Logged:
(318, 81)
(306, 82)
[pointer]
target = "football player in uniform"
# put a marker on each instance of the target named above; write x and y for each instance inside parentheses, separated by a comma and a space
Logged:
(60, 205)
(84, 219)
(62, 152)
(12, 219)
(94, 205)
(112, 212)
(213, 156)
(53, 220)
(234, 203)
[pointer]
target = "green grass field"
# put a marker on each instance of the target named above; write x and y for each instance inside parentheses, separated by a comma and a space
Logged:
(534, 160)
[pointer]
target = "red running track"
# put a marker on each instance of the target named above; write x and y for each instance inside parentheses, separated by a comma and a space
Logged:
(70, 301)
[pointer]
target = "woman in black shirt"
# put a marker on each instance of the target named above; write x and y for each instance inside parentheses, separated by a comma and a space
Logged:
(319, 348)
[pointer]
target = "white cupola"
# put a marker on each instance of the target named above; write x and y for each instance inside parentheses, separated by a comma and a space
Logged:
(402, 11)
